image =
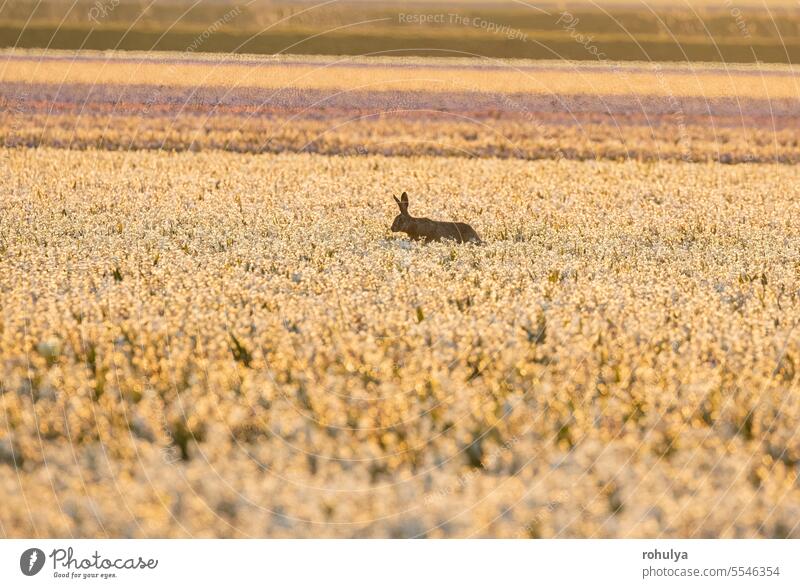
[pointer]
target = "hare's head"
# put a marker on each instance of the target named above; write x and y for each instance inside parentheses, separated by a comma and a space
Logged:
(403, 220)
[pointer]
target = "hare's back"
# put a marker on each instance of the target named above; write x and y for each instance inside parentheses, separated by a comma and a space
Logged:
(465, 232)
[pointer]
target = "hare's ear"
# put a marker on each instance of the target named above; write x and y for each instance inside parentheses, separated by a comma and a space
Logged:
(396, 200)
(403, 204)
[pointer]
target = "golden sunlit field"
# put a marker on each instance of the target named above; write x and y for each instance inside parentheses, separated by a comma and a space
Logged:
(481, 107)
(207, 328)
(222, 344)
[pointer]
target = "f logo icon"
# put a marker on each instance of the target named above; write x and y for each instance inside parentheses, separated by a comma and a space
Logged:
(31, 561)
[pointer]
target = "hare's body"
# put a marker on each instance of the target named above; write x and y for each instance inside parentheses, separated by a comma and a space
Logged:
(431, 230)
(425, 229)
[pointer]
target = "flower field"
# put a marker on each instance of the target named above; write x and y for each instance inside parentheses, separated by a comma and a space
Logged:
(211, 343)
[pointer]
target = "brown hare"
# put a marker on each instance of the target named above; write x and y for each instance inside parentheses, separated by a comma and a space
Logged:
(419, 228)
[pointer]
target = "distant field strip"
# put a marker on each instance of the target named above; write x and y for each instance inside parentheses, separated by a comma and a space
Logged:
(570, 78)
(726, 32)
(311, 102)
(381, 106)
